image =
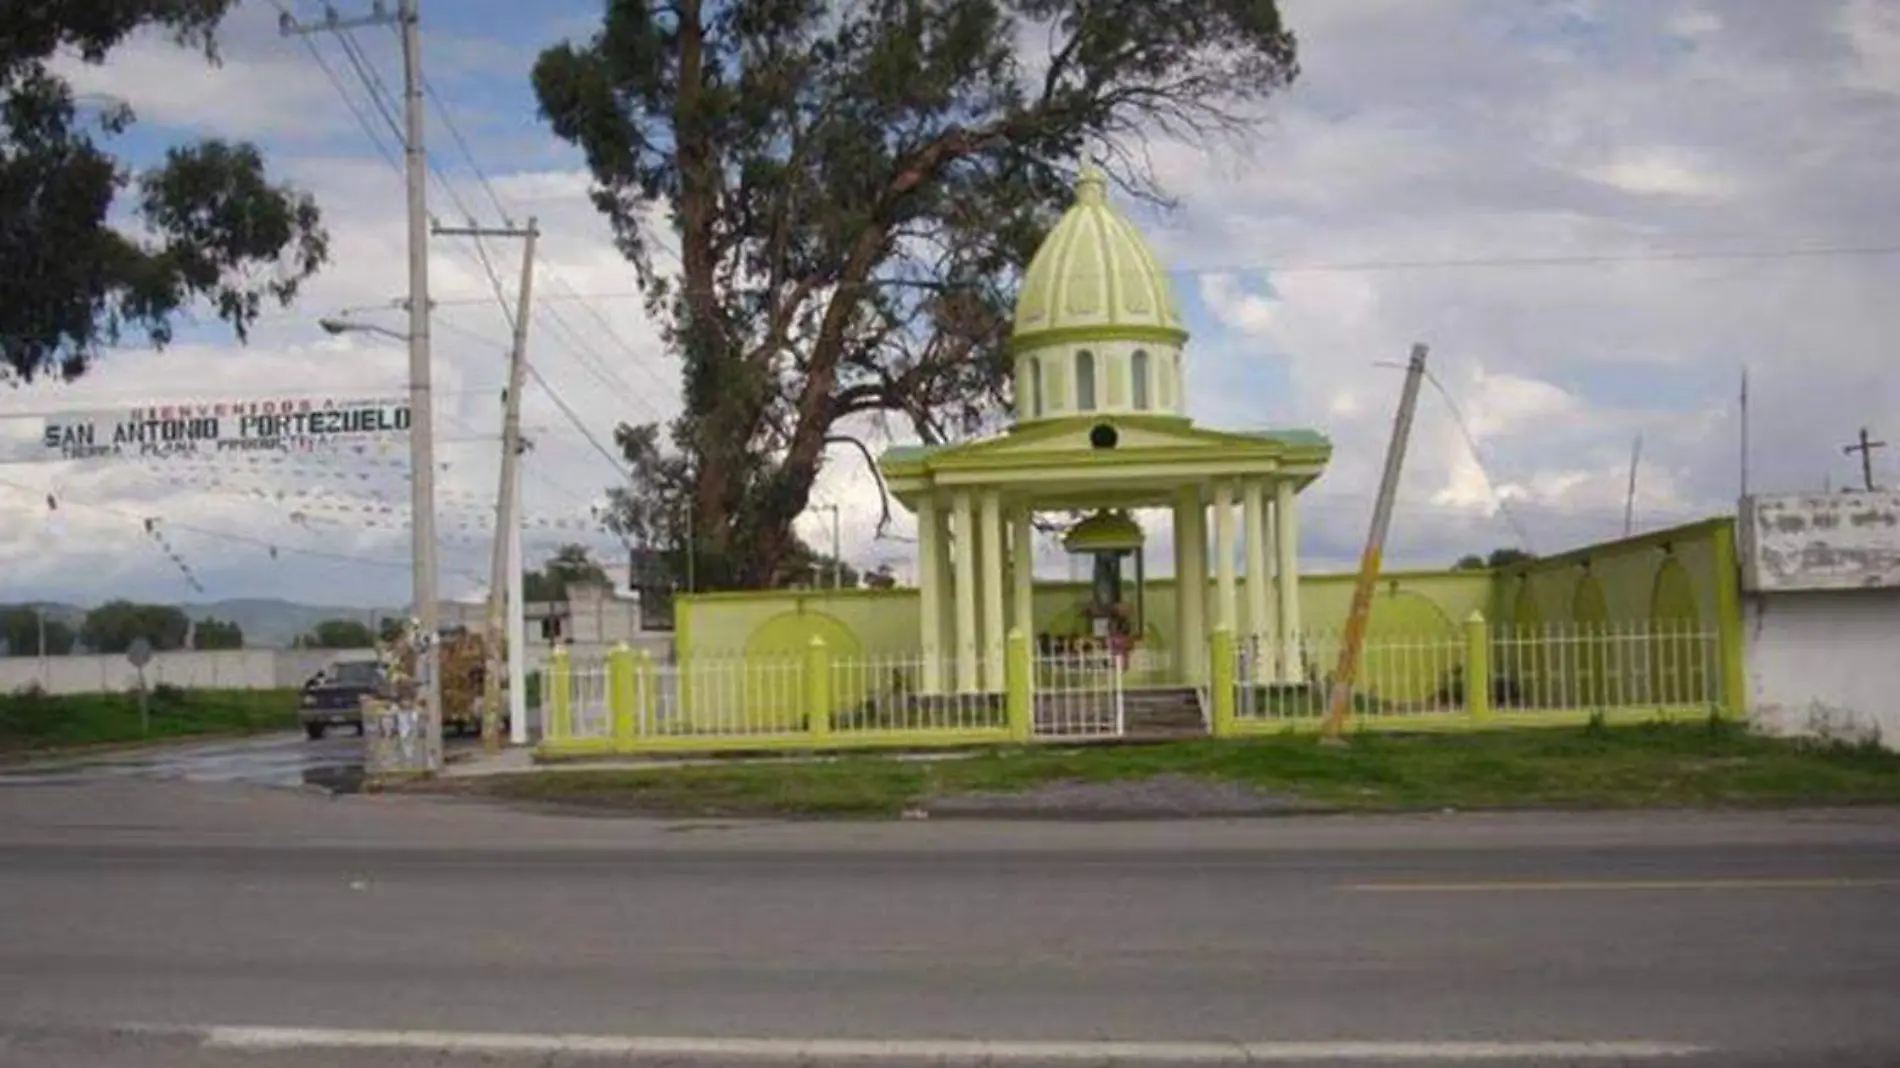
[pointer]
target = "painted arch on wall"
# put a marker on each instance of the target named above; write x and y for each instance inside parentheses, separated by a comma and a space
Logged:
(1678, 667)
(1590, 611)
(773, 694)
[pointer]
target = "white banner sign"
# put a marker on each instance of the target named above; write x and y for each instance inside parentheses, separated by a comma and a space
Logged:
(209, 429)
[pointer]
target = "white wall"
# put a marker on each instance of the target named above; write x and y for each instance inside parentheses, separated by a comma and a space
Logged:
(237, 669)
(1825, 662)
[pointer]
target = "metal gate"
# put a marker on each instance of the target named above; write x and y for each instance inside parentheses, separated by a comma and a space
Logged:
(1078, 695)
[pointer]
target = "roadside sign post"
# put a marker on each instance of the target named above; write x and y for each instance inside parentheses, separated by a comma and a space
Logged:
(139, 654)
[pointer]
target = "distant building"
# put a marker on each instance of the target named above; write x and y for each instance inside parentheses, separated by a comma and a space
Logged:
(591, 621)
(1821, 606)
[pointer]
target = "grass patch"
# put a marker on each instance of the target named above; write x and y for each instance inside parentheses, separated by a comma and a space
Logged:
(31, 721)
(1693, 765)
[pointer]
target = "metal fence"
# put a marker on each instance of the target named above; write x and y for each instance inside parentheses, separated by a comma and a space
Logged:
(888, 694)
(1559, 667)
(1078, 695)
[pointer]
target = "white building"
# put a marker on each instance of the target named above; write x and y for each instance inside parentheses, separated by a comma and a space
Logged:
(1821, 612)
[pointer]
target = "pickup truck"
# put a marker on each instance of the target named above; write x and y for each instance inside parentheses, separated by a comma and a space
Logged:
(334, 696)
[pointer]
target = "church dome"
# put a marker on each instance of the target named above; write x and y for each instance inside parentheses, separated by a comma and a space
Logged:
(1096, 328)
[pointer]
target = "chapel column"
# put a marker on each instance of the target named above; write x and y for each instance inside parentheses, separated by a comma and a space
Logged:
(1022, 571)
(1260, 628)
(992, 591)
(1286, 519)
(966, 539)
(1226, 607)
(1190, 533)
(930, 591)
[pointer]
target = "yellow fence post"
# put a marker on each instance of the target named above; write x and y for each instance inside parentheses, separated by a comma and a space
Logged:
(620, 694)
(1477, 667)
(1018, 701)
(818, 690)
(1224, 683)
(560, 693)
(644, 690)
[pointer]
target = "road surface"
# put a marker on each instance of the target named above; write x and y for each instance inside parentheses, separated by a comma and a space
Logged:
(287, 759)
(170, 923)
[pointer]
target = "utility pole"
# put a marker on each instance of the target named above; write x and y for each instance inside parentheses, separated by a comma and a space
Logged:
(837, 562)
(1629, 497)
(423, 593)
(1866, 449)
(1340, 701)
(517, 627)
(508, 495)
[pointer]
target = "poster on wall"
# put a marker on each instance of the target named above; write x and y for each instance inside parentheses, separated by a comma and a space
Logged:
(302, 425)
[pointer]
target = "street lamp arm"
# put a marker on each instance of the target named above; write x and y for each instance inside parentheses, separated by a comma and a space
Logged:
(334, 325)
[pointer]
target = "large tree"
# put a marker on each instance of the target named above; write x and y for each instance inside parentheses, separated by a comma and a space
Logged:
(206, 223)
(854, 187)
(212, 633)
(339, 634)
(569, 566)
(26, 629)
(114, 626)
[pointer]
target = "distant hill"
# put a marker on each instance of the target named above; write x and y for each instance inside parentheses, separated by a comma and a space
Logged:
(271, 623)
(267, 622)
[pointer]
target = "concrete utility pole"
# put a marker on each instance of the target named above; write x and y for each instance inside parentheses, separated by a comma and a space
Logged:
(1866, 449)
(837, 562)
(508, 496)
(1629, 497)
(517, 627)
(428, 756)
(1340, 703)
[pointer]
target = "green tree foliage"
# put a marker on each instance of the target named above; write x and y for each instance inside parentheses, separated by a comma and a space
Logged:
(212, 633)
(21, 630)
(210, 225)
(114, 626)
(569, 565)
(1503, 557)
(389, 629)
(340, 634)
(854, 186)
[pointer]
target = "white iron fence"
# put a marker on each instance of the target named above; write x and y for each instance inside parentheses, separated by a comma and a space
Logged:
(1078, 695)
(1633, 665)
(888, 694)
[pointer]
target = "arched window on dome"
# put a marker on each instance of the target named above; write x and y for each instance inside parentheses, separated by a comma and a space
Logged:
(1032, 384)
(1138, 368)
(1085, 381)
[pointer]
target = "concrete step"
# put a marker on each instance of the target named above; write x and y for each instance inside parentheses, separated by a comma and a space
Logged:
(1171, 712)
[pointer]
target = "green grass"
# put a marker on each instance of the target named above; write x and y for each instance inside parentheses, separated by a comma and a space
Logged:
(35, 721)
(1714, 764)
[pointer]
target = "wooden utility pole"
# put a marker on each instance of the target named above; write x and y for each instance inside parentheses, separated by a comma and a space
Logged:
(1866, 449)
(508, 495)
(1340, 703)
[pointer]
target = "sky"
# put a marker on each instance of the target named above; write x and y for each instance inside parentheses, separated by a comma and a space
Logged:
(1596, 213)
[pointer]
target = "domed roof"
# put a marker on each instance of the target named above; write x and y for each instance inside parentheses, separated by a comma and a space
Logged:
(1095, 278)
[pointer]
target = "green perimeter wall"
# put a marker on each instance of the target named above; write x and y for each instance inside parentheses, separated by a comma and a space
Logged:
(1684, 576)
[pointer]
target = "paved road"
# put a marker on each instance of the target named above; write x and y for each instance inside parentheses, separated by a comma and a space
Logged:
(1726, 939)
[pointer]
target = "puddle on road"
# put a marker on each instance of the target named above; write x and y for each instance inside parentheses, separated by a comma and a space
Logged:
(278, 761)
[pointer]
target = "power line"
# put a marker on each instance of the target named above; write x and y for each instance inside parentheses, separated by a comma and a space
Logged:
(225, 535)
(1581, 260)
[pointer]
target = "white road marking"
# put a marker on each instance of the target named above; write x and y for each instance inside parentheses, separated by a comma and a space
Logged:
(801, 1050)
(1509, 886)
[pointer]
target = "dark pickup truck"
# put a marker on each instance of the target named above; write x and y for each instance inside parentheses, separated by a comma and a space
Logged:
(334, 696)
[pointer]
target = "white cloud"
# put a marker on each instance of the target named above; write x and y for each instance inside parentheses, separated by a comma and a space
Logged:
(1467, 133)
